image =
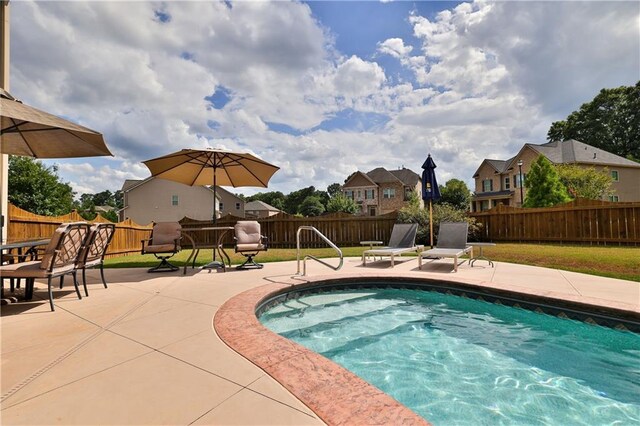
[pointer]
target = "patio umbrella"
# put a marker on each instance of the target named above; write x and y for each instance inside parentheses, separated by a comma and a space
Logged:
(212, 167)
(27, 131)
(430, 190)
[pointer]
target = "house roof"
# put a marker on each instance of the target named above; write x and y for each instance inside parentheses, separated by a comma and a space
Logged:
(406, 176)
(568, 152)
(259, 205)
(221, 189)
(573, 151)
(130, 183)
(347, 184)
(500, 166)
(382, 175)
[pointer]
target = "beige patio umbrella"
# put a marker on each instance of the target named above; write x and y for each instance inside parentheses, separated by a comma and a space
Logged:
(27, 131)
(212, 167)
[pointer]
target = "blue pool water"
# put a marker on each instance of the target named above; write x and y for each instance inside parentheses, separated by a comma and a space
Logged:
(457, 361)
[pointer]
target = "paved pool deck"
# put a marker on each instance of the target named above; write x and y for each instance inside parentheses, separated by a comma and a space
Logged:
(144, 351)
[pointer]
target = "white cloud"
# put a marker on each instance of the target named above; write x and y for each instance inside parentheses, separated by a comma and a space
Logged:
(488, 77)
(394, 47)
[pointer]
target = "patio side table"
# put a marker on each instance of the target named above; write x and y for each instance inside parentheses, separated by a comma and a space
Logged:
(481, 255)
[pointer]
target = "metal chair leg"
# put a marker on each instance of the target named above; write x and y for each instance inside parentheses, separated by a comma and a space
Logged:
(50, 294)
(102, 275)
(75, 284)
(84, 282)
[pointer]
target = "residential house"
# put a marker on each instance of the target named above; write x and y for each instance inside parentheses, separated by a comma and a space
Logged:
(162, 200)
(501, 181)
(230, 203)
(259, 209)
(382, 191)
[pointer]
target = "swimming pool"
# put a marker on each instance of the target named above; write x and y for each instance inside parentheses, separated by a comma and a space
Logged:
(455, 360)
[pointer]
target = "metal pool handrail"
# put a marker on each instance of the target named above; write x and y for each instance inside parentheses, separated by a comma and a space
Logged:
(304, 261)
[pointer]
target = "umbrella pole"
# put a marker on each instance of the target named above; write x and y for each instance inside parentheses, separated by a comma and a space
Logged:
(214, 264)
(431, 221)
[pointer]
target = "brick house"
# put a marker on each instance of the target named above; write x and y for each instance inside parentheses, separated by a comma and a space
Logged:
(498, 181)
(382, 191)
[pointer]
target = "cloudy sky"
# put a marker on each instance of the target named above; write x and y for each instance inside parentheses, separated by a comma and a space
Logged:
(320, 89)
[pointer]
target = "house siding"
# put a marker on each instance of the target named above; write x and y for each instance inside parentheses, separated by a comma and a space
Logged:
(152, 202)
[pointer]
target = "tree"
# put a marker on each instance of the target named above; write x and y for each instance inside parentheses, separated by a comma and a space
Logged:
(611, 121)
(293, 201)
(37, 188)
(311, 206)
(334, 189)
(543, 185)
(585, 182)
(456, 193)
(340, 203)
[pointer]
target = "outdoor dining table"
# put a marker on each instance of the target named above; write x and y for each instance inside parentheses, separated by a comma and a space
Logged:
(218, 247)
(26, 249)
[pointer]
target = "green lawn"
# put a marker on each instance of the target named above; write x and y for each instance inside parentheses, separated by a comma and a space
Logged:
(609, 261)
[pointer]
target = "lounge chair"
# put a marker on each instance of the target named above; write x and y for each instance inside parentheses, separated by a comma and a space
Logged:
(452, 243)
(163, 244)
(92, 254)
(249, 242)
(59, 260)
(403, 240)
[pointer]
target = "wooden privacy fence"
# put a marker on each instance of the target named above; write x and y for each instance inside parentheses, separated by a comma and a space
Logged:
(25, 225)
(342, 229)
(579, 221)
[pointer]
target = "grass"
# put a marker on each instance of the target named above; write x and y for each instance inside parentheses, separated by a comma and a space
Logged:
(606, 261)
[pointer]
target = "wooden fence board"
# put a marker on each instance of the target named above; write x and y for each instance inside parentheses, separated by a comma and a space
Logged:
(580, 221)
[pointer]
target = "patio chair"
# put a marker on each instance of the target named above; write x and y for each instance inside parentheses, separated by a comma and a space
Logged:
(249, 242)
(163, 244)
(92, 253)
(403, 240)
(452, 243)
(59, 259)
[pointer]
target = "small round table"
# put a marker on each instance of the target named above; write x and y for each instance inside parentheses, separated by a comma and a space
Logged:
(481, 255)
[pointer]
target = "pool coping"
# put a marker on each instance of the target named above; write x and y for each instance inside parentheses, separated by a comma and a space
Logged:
(335, 394)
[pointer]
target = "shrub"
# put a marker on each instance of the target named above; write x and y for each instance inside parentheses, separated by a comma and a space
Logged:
(442, 212)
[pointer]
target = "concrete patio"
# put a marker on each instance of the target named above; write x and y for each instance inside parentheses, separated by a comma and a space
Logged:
(144, 351)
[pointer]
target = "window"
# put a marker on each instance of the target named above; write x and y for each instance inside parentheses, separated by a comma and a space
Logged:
(389, 193)
(368, 195)
(614, 176)
(174, 200)
(485, 205)
(507, 183)
(237, 206)
(348, 194)
(220, 206)
(487, 185)
(516, 179)
(613, 198)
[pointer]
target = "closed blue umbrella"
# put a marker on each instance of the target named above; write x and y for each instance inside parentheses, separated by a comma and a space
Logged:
(430, 190)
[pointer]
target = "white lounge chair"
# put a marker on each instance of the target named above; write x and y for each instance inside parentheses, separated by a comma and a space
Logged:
(403, 240)
(452, 243)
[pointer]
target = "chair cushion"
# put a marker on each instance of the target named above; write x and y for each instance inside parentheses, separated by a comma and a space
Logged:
(51, 247)
(248, 232)
(165, 233)
(249, 247)
(30, 270)
(162, 248)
